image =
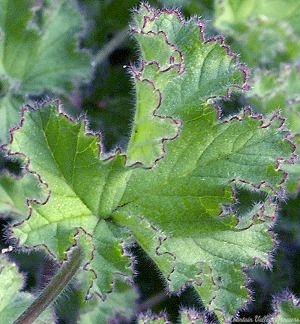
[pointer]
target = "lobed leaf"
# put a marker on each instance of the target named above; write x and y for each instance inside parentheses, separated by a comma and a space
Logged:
(188, 189)
(118, 306)
(178, 205)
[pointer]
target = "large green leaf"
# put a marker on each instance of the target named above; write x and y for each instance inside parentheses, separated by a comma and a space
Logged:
(175, 210)
(12, 301)
(38, 52)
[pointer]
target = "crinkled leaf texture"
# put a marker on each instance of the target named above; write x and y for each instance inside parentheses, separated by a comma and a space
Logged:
(174, 210)
(12, 301)
(38, 52)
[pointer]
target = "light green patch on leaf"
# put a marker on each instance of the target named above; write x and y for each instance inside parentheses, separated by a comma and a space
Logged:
(180, 71)
(287, 310)
(264, 32)
(12, 301)
(119, 304)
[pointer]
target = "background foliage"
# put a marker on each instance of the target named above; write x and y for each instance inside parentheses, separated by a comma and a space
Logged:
(265, 33)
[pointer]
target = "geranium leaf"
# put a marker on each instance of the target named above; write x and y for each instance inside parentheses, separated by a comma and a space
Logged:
(41, 54)
(185, 202)
(10, 106)
(118, 305)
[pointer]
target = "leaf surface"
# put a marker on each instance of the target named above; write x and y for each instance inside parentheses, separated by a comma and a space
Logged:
(38, 55)
(10, 106)
(118, 306)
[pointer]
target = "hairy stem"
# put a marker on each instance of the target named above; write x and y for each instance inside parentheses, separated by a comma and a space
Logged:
(53, 289)
(109, 47)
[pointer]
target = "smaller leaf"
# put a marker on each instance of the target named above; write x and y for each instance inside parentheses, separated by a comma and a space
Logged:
(149, 318)
(265, 33)
(10, 106)
(119, 304)
(12, 301)
(38, 53)
(287, 309)
(41, 54)
(15, 192)
(190, 316)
